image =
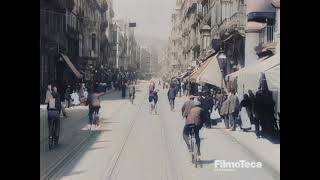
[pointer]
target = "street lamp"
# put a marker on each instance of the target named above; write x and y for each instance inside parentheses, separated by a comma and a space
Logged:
(189, 70)
(222, 57)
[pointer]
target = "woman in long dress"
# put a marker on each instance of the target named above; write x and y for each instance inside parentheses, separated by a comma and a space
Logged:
(245, 106)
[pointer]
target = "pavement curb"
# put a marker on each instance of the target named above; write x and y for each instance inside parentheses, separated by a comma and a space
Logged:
(69, 154)
(275, 173)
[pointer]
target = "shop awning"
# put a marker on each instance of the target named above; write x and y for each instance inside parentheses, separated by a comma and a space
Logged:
(249, 78)
(71, 66)
(183, 75)
(194, 76)
(211, 74)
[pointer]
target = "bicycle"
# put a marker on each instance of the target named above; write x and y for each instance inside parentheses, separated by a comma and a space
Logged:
(194, 148)
(95, 119)
(53, 138)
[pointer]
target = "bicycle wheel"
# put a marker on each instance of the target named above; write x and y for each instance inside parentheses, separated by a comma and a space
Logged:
(192, 149)
(195, 154)
(56, 134)
(51, 139)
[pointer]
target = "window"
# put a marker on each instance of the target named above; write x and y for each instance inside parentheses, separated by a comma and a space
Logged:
(93, 42)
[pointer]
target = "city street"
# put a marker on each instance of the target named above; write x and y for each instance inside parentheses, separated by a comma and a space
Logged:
(137, 145)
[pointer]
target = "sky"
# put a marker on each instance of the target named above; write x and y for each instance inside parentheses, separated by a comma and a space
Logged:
(153, 17)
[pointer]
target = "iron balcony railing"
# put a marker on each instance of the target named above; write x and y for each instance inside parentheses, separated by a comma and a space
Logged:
(236, 21)
(267, 35)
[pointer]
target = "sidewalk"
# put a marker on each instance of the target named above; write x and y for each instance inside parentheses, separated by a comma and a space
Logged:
(263, 149)
(71, 135)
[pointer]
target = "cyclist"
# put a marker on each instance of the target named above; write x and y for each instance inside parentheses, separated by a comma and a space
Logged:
(172, 92)
(187, 107)
(194, 118)
(94, 105)
(155, 100)
(54, 110)
(132, 91)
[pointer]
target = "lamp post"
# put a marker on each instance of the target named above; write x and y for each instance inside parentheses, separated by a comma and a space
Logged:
(189, 85)
(222, 57)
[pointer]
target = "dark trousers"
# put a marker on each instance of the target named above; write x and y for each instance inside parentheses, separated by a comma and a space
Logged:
(257, 124)
(172, 100)
(187, 132)
(232, 119)
(54, 117)
(226, 121)
(91, 111)
(207, 120)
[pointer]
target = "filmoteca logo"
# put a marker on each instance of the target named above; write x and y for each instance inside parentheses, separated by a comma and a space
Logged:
(223, 165)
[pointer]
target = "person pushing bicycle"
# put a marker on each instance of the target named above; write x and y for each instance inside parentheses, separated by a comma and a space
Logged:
(194, 119)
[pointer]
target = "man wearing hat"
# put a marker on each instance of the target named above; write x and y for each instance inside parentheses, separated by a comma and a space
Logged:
(195, 118)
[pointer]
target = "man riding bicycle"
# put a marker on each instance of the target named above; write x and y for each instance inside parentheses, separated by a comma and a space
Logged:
(54, 110)
(194, 119)
(153, 99)
(94, 105)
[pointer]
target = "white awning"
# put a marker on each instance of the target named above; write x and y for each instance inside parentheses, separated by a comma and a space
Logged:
(248, 78)
(211, 73)
(71, 66)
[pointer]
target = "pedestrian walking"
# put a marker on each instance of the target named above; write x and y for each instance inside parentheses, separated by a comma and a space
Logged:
(123, 89)
(188, 88)
(245, 106)
(172, 93)
(224, 112)
(199, 90)
(48, 94)
(233, 109)
(264, 106)
(253, 116)
(67, 96)
(75, 98)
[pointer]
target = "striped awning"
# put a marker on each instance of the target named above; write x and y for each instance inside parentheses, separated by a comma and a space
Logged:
(71, 66)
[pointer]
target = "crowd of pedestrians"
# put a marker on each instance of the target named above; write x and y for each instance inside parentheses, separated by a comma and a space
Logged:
(254, 110)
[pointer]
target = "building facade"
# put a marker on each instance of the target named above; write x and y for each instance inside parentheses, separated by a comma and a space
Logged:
(208, 25)
(75, 38)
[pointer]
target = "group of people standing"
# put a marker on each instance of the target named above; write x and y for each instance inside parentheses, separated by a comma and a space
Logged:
(257, 109)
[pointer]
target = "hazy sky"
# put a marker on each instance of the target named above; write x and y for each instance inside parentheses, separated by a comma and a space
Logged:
(153, 17)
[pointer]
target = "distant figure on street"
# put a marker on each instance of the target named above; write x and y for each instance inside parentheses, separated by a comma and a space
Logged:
(75, 99)
(123, 89)
(199, 90)
(172, 93)
(132, 91)
(67, 96)
(252, 114)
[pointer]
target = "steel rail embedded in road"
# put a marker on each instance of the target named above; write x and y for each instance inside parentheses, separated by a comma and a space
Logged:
(109, 174)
